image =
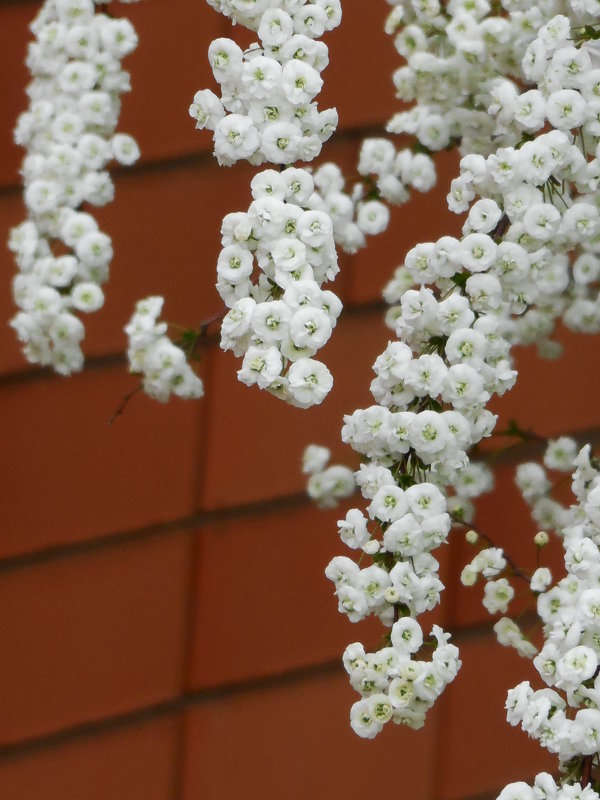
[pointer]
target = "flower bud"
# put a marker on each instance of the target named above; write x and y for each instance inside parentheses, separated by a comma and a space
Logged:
(541, 538)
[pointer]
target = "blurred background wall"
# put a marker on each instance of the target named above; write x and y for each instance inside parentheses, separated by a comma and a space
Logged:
(167, 631)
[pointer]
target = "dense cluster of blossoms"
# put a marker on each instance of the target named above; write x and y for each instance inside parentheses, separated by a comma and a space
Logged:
(163, 364)
(454, 53)
(545, 787)
(538, 189)
(280, 321)
(267, 111)
(328, 483)
(69, 134)
(431, 388)
(459, 305)
(277, 255)
(565, 716)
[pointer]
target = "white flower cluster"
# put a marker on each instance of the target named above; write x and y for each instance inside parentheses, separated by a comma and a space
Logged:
(326, 484)
(395, 170)
(279, 321)
(503, 282)
(510, 634)
(394, 686)
(535, 485)
(163, 365)
(69, 133)
(545, 186)
(567, 721)
(453, 53)
(402, 527)
(431, 388)
(267, 111)
(531, 236)
(545, 788)
(354, 213)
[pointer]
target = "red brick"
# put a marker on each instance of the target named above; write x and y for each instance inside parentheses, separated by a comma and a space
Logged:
(479, 751)
(165, 226)
(71, 476)
(554, 397)
(277, 562)
(255, 442)
(92, 636)
(294, 741)
(358, 80)
(168, 246)
(135, 762)
(14, 20)
(12, 213)
(168, 67)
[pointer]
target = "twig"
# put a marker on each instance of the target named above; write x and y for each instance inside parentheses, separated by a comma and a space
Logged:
(501, 227)
(203, 329)
(205, 324)
(586, 771)
(124, 403)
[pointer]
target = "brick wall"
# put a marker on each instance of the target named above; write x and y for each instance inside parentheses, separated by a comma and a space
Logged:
(167, 630)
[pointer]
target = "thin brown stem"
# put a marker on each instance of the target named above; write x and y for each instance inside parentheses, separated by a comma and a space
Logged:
(124, 402)
(586, 771)
(501, 227)
(203, 329)
(205, 324)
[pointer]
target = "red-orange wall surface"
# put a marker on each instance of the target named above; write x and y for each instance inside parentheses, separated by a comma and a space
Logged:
(167, 631)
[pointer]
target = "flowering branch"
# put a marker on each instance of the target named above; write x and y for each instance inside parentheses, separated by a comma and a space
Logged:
(69, 135)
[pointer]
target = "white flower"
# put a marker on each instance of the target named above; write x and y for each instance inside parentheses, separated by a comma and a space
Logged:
(497, 595)
(300, 82)
(535, 162)
(315, 459)
(429, 435)
(328, 486)
(235, 264)
(585, 732)
(406, 635)
(576, 666)
(541, 579)
(125, 149)
(566, 109)
(389, 504)
(353, 529)
(280, 142)
(532, 480)
(235, 137)
(477, 252)
(561, 453)
(464, 387)
(206, 109)
(310, 327)
(87, 297)
(309, 382)
(373, 217)
(363, 720)
(517, 791)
